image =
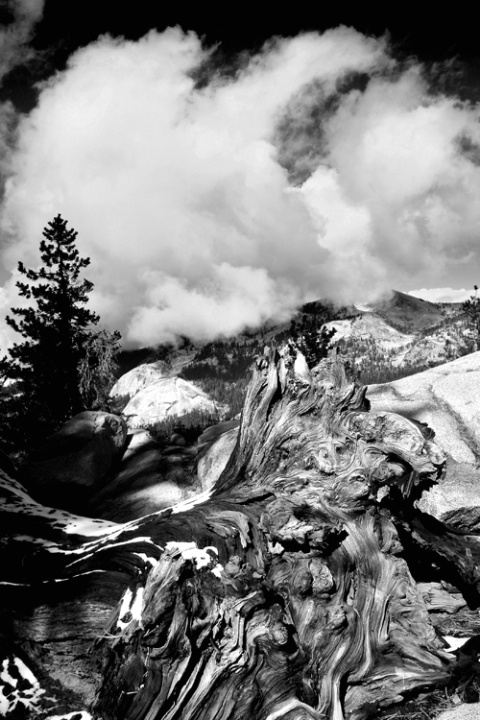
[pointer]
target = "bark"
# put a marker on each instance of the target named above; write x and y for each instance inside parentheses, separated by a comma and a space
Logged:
(290, 593)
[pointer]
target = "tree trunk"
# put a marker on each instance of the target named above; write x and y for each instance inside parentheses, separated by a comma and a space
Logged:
(289, 594)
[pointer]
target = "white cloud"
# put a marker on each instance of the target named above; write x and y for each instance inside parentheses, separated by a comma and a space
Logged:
(14, 38)
(233, 295)
(398, 166)
(179, 195)
(445, 294)
(162, 180)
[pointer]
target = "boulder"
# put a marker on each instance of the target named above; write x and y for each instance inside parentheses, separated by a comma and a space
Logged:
(447, 399)
(456, 493)
(151, 477)
(463, 711)
(167, 398)
(129, 384)
(76, 460)
(137, 440)
(7, 464)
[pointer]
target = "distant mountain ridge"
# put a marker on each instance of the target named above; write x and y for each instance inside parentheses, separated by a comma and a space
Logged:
(412, 314)
(395, 336)
(401, 334)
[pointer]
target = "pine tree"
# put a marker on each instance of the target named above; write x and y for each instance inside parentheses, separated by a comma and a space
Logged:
(314, 341)
(471, 308)
(48, 367)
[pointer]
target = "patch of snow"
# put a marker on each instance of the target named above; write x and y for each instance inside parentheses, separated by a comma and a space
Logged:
(136, 606)
(5, 675)
(454, 642)
(30, 539)
(4, 703)
(92, 548)
(132, 605)
(67, 522)
(217, 570)
(201, 557)
(275, 548)
(89, 526)
(13, 486)
(25, 672)
(124, 608)
(77, 575)
(78, 714)
(29, 697)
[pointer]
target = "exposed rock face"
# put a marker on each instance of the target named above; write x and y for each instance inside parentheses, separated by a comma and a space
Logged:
(218, 445)
(166, 398)
(370, 326)
(137, 440)
(137, 379)
(447, 399)
(76, 460)
(470, 711)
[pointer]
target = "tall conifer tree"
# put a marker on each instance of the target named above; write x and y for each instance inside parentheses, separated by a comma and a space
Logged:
(58, 329)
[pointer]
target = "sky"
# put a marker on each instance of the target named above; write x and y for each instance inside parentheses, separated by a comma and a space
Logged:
(221, 169)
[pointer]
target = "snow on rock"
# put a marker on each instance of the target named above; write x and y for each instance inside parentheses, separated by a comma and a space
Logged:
(447, 399)
(167, 398)
(15, 499)
(75, 715)
(131, 607)
(454, 643)
(200, 557)
(88, 527)
(19, 688)
(192, 502)
(129, 384)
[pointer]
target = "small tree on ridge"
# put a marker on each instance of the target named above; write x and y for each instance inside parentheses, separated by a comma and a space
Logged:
(472, 308)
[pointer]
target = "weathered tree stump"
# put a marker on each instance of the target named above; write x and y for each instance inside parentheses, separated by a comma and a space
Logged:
(288, 594)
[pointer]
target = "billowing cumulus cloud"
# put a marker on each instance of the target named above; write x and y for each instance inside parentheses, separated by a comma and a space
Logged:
(320, 169)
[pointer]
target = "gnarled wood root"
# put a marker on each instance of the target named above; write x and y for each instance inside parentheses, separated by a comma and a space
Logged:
(287, 594)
